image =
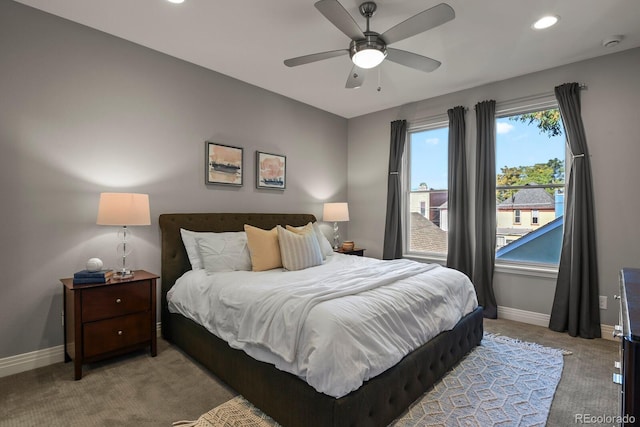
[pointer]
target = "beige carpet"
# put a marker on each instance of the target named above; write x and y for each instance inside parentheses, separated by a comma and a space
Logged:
(503, 382)
(142, 391)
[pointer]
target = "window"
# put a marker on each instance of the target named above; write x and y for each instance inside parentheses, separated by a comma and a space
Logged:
(530, 163)
(427, 191)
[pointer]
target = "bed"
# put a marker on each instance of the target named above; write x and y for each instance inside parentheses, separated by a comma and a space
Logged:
(282, 395)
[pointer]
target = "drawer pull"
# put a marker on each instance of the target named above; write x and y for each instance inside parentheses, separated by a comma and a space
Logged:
(118, 300)
(119, 332)
(617, 331)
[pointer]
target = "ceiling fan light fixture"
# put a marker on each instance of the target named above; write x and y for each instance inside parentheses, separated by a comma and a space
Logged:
(368, 58)
(368, 52)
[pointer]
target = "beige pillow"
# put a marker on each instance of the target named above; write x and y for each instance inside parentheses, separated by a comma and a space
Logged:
(263, 247)
(299, 250)
(302, 229)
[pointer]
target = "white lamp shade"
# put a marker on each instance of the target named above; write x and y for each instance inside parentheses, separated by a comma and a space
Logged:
(123, 209)
(336, 212)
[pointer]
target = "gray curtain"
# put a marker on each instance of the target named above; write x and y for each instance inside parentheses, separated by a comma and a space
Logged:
(485, 222)
(575, 306)
(393, 227)
(459, 243)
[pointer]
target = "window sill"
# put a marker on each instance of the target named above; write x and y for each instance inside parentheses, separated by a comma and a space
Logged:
(531, 270)
(427, 258)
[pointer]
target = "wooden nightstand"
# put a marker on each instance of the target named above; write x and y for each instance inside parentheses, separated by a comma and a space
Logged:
(354, 251)
(108, 319)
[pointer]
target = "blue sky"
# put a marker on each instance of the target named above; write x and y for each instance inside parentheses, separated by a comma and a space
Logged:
(517, 144)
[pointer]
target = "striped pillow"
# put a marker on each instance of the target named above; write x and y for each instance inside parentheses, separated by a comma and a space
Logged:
(325, 246)
(298, 250)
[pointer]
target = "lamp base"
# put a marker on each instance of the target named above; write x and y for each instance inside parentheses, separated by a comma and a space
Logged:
(336, 236)
(122, 275)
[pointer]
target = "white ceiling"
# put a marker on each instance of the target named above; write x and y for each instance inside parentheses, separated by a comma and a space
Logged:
(489, 40)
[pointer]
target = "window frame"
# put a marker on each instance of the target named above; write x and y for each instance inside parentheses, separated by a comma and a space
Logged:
(512, 108)
(432, 123)
(535, 216)
(503, 109)
(517, 216)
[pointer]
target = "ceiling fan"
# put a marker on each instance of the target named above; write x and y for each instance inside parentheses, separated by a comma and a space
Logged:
(367, 48)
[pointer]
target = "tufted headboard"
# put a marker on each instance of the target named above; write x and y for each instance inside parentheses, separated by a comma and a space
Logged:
(173, 254)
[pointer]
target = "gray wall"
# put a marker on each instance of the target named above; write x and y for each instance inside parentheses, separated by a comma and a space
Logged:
(611, 114)
(82, 112)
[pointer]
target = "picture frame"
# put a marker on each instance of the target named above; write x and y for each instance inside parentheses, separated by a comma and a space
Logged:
(223, 164)
(271, 171)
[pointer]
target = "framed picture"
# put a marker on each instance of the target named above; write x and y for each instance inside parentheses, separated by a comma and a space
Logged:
(223, 164)
(271, 171)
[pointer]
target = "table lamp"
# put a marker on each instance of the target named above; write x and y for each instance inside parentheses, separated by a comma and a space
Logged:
(336, 212)
(123, 209)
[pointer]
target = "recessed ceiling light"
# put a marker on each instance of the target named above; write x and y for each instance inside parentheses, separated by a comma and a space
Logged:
(545, 22)
(176, 1)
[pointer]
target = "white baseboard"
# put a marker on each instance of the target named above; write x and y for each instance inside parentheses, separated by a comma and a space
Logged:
(37, 359)
(529, 317)
(32, 360)
(607, 332)
(48, 356)
(539, 319)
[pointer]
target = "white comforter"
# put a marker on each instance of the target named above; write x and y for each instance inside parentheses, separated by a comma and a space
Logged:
(334, 325)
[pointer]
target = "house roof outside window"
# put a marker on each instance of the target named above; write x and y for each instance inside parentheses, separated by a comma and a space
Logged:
(529, 198)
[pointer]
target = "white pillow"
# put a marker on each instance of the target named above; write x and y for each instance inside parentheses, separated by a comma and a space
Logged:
(298, 250)
(191, 245)
(189, 242)
(224, 252)
(325, 246)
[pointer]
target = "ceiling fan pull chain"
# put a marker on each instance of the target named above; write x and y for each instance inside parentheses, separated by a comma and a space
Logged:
(379, 79)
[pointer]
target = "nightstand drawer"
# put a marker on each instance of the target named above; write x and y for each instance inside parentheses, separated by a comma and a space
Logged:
(115, 300)
(117, 333)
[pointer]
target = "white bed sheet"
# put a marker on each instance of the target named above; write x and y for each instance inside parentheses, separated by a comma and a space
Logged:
(341, 342)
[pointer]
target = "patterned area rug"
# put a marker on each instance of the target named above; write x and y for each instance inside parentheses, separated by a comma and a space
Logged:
(502, 382)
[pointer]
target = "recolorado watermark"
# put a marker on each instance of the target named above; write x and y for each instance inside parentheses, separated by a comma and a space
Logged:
(603, 419)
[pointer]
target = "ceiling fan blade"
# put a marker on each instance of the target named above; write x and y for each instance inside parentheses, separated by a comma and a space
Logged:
(356, 78)
(419, 23)
(338, 16)
(300, 60)
(412, 60)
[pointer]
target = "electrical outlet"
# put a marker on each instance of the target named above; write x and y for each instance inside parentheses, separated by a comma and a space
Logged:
(603, 302)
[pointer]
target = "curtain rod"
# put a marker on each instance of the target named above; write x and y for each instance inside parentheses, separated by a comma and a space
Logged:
(502, 107)
(431, 121)
(535, 97)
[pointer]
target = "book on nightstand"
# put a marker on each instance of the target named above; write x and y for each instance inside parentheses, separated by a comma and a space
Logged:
(86, 276)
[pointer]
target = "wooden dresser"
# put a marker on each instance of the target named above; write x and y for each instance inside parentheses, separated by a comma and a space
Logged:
(629, 332)
(108, 319)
